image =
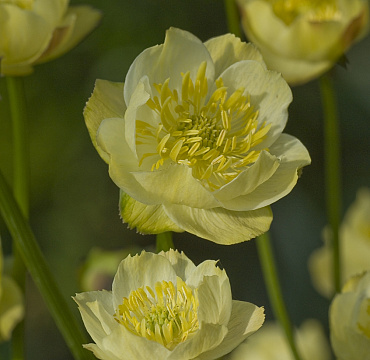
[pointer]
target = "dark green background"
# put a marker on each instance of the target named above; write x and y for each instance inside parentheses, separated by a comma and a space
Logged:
(75, 204)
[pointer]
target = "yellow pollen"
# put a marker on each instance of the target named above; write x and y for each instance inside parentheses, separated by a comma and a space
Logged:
(318, 10)
(167, 314)
(213, 133)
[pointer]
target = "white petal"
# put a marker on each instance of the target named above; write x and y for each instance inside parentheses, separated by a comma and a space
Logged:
(133, 273)
(229, 49)
(182, 265)
(105, 102)
(269, 93)
(181, 52)
(293, 156)
(246, 319)
(220, 225)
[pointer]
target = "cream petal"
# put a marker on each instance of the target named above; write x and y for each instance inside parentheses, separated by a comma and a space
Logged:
(105, 102)
(269, 94)
(228, 49)
(81, 20)
(175, 185)
(11, 306)
(182, 265)
(293, 156)
(52, 11)
(208, 337)
(147, 219)
(220, 225)
(180, 53)
(265, 166)
(133, 273)
(246, 319)
(101, 354)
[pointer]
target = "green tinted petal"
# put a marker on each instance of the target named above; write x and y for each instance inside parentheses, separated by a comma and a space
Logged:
(147, 219)
(220, 225)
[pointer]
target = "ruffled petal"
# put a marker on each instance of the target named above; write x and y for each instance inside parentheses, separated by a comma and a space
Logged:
(147, 219)
(220, 225)
(105, 102)
(182, 265)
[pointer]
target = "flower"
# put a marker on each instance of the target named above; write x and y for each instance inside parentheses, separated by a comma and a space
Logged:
(11, 303)
(176, 310)
(354, 242)
(349, 318)
(35, 31)
(302, 39)
(310, 339)
(193, 138)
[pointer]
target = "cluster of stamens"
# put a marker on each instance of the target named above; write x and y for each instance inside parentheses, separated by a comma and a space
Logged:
(319, 10)
(214, 135)
(167, 314)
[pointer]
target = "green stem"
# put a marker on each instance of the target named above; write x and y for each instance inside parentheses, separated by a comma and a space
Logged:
(164, 241)
(269, 270)
(39, 270)
(18, 109)
(232, 16)
(332, 171)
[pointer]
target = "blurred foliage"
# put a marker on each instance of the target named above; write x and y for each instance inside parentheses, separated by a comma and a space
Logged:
(75, 204)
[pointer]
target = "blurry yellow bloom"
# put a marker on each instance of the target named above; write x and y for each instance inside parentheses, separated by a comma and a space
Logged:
(302, 39)
(11, 303)
(35, 31)
(162, 306)
(270, 343)
(194, 138)
(354, 240)
(349, 318)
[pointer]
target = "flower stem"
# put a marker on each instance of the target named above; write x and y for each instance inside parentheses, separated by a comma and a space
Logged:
(39, 270)
(164, 241)
(232, 17)
(18, 109)
(273, 289)
(332, 171)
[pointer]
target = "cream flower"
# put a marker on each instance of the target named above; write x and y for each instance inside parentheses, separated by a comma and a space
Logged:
(175, 310)
(354, 240)
(349, 318)
(35, 31)
(194, 138)
(270, 343)
(302, 39)
(11, 303)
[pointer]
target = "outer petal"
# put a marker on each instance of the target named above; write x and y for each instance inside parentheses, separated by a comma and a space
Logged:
(81, 20)
(182, 265)
(106, 101)
(181, 52)
(11, 307)
(293, 156)
(246, 319)
(130, 275)
(147, 219)
(220, 225)
(227, 49)
(269, 93)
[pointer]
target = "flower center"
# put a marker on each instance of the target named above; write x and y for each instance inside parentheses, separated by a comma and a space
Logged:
(213, 134)
(319, 10)
(167, 315)
(23, 4)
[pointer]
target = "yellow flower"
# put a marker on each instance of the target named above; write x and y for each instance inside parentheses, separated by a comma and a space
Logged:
(302, 39)
(349, 318)
(270, 343)
(11, 303)
(174, 310)
(35, 31)
(354, 240)
(194, 138)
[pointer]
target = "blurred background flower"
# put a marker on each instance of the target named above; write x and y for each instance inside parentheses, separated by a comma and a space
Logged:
(354, 239)
(302, 39)
(74, 204)
(37, 31)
